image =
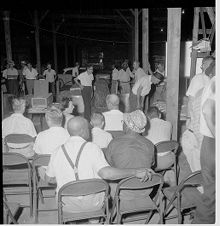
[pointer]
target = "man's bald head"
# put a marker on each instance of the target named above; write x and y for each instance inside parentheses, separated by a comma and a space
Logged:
(112, 101)
(78, 126)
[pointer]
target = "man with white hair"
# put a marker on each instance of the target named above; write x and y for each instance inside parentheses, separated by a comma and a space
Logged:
(48, 140)
(113, 117)
(91, 164)
(17, 123)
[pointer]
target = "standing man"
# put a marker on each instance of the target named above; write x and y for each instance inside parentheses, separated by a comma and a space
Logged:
(30, 74)
(11, 74)
(205, 211)
(115, 77)
(84, 81)
(50, 77)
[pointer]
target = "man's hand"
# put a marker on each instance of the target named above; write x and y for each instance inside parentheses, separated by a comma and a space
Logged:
(144, 174)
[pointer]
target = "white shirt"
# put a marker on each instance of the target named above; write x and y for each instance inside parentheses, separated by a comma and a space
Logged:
(30, 74)
(10, 73)
(48, 140)
(50, 75)
(86, 79)
(113, 120)
(198, 82)
(115, 74)
(160, 130)
(139, 73)
(101, 137)
(208, 93)
(17, 123)
(90, 162)
(75, 71)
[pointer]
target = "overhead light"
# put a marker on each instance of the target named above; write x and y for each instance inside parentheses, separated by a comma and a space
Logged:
(161, 30)
(183, 11)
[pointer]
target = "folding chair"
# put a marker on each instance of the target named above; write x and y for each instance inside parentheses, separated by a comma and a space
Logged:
(183, 196)
(17, 175)
(165, 146)
(40, 185)
(18, 139)
(81, 188)
(122, 207)
(10, 211)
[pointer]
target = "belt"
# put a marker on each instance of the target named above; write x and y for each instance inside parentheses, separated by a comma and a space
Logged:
(191, 130)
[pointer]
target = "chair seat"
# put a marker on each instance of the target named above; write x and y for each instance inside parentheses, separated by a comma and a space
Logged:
(44, 184)
(67, 216)
(136, 205)
(189, 195)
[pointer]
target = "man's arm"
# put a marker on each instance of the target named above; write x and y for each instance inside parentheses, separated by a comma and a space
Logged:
(111, 173)
(208, 111)
(77, 82)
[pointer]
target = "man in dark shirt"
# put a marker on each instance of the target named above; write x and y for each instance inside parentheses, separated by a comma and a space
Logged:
(131, 150)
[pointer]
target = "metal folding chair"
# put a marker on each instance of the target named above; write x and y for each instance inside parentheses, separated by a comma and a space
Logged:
(183, 196)
(81, 188)
(11, 210)
(17, 175)
(172, 146)
(40, 185)
(144, 206)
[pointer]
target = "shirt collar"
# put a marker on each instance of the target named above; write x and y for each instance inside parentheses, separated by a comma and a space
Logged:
(77, 138)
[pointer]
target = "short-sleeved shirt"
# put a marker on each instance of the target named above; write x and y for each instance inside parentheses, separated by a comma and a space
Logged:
(124, 76)
(208, 93)
(10, 73)
(48, 140)
(115, 74)
(101, 137)
(50, 75)
(139, 73)
(90, 162)
(198, 82)
(86, 79)
(30, 74)
(113, 120)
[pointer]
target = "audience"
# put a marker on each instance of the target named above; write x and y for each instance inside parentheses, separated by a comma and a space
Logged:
(92, 164)
(48, 140)
(113, 117)
(17, 123)
(99, 136)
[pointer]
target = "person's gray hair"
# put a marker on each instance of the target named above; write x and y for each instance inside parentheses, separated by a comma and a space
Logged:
(18, 104)
(112, 99)
(54, 115)
(97, 119)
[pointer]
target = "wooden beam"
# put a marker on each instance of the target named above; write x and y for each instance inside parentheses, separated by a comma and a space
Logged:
(145, 39)
(37, 40)
(66, 52)
(211, 14)
(54, 47)
(6, 19)
(95, 17)
(132, 11)
(136, 35)
(173, 62)
(44, 15)
(122, 16)
(203, 22)
(194, 40)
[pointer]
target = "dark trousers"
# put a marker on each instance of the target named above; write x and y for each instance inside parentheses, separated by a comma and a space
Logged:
(86, 95)
(13, 86)
(205, 211)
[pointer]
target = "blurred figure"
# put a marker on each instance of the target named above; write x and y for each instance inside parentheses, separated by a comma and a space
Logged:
(115, 78)
(50, 77)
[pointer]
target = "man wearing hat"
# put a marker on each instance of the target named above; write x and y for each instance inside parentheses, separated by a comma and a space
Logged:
(11, 74)
(131, 150)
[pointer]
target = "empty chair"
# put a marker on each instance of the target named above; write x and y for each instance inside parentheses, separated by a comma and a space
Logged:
(17, 176)
(183, 196)
(83, 188)
(122, 207)
(169, 146)
(39, 184)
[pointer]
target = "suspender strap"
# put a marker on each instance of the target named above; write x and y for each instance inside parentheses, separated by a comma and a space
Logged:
(75, 169)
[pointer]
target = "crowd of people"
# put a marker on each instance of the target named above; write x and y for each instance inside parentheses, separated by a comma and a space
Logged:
(113, 144)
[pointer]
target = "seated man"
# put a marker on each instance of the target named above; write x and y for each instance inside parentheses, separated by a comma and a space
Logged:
(99, 136)
(17, 123)
(131, 150)
(48, 140)
(92, 164)
(159, 130)
(113, 117)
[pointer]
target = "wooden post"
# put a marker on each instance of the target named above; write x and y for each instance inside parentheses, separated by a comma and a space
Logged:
(136, 33)
(6, 20)
(66, 52)
(54, 47)
(145, 39)
(195, 39)
(173, 61)
(133, 42)
(37, 41)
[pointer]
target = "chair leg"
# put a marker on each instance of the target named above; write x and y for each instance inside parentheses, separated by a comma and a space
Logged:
(31, 201)
(36, 207)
